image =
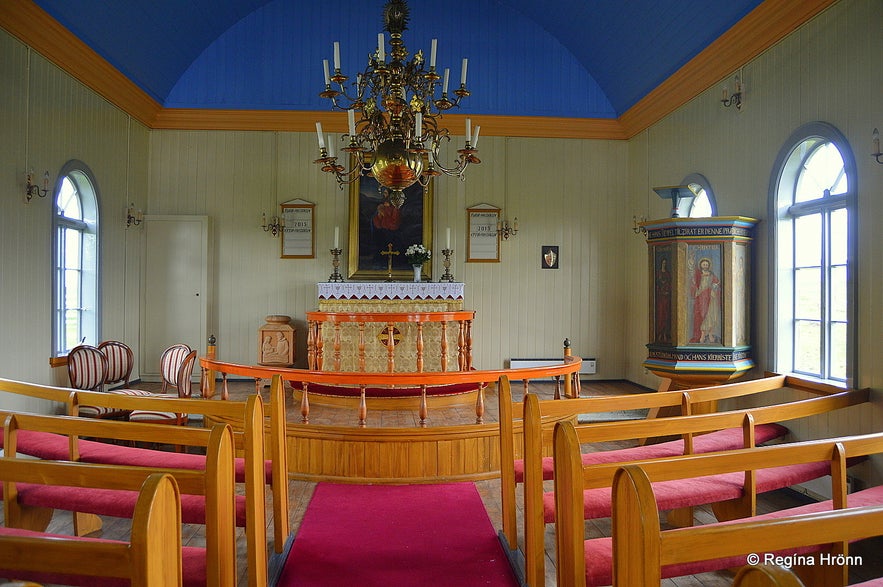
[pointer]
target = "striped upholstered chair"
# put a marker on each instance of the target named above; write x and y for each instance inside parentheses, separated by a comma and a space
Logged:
(176, 367)
(87, 370)
(120, 362)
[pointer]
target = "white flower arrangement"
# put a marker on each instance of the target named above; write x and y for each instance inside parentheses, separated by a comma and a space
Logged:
(417, 254)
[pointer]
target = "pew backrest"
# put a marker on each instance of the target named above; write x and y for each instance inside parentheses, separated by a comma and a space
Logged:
(151, 558)
(572, 478)
(215, 481)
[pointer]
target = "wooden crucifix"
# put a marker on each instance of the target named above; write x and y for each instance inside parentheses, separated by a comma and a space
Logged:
(389, 253)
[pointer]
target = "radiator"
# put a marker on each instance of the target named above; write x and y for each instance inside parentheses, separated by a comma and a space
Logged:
(588, 367)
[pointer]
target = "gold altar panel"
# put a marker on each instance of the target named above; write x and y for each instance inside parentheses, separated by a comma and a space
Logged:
(374, 335)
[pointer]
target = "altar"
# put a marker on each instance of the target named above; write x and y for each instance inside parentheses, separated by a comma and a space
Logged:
(390, 327)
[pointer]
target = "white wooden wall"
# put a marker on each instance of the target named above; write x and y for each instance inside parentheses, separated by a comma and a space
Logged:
(578, 194)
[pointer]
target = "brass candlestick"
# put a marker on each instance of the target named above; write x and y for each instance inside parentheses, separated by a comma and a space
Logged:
(448, 276)
(335, 277)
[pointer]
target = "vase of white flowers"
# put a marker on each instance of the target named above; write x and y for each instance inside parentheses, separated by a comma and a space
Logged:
(417, 255)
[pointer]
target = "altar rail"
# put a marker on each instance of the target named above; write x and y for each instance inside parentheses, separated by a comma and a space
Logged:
(394, 454)
(316, 340)
(423, 384)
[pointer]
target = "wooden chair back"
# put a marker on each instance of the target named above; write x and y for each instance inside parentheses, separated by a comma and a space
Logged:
(170, 364)
(120, 362)
(87, 368)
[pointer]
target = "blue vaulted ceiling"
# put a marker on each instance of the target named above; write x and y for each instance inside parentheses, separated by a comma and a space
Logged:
(571, 58)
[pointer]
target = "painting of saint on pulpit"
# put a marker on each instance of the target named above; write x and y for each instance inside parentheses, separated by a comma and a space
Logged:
(705, 315)
(662, 295)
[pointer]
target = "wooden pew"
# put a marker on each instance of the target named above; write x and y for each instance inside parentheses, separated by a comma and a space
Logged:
(536, 416)
(253, 473)
(639, 553)
(151, 558)
(208, 491)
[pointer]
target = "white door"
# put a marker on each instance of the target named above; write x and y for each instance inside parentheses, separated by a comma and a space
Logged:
(174, 288)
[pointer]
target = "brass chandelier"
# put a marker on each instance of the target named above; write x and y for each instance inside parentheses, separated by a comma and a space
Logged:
(396, 136)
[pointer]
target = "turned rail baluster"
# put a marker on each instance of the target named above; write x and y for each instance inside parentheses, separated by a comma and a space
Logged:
(390, 347)
(225, 391)
(424, 409)
(305, 403)
(363, 408)
(444, 346)
(468, 345)
(337, 346)
(312, 325)
(479, 405)
(420, 347)
(461, 346)
(361, 346)
(320, 349)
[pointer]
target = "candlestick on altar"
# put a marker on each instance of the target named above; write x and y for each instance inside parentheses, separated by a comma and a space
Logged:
(335, 276)
(448, 276)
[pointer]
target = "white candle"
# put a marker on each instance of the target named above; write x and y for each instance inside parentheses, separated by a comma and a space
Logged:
(263, 219)
(432, 53)
(418, 131)
(325, 71)
(468, 130)
(330, 145)
(463, 73)
(445, 86)
(336, 237)
(448, 238)
(475, 138)
(336, 55)
(381, 49)
(875, 138)
(351, 120)
(320, 135)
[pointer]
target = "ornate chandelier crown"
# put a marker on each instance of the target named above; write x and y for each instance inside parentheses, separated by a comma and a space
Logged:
(397, 136)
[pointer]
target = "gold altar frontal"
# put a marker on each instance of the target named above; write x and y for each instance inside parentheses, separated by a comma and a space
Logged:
(348, 341)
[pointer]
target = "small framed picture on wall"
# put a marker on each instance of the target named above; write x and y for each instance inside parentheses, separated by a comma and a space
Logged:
(549, 257)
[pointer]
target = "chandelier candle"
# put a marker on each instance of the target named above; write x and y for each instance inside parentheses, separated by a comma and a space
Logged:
(393, 115)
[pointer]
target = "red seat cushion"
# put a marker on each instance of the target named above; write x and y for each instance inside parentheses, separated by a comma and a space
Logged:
(599, 551)
(55, 447)
(111, 502)
(719, 440)
(193, 560)
(681, 493)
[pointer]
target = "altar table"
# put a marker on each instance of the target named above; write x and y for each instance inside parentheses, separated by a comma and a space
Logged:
(357, 343)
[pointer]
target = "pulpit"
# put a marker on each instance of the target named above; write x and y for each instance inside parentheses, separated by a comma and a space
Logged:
(699, 298)
(389, 327)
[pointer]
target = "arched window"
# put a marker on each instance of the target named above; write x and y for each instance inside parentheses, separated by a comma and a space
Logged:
(704, 204)
(75, 260)
(814, 257)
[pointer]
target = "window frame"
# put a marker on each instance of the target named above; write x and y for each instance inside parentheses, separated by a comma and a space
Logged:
(783, 212)
(701, 181)
(89, 323)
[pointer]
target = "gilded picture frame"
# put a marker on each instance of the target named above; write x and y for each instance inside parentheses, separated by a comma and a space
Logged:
(374, 224)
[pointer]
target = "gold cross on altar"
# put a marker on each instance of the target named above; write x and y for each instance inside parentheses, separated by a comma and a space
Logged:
(389, 253)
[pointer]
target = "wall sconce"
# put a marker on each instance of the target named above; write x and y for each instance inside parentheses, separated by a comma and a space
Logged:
(275, 225)
(875, 140)
(734, 99)
(505, 230)
(637, 227)
(133, 216)
(32, 190)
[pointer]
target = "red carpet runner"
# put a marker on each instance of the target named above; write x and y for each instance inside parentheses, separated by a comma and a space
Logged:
(396, 536)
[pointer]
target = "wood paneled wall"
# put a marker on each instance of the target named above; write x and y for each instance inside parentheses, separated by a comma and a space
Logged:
(580, 194)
